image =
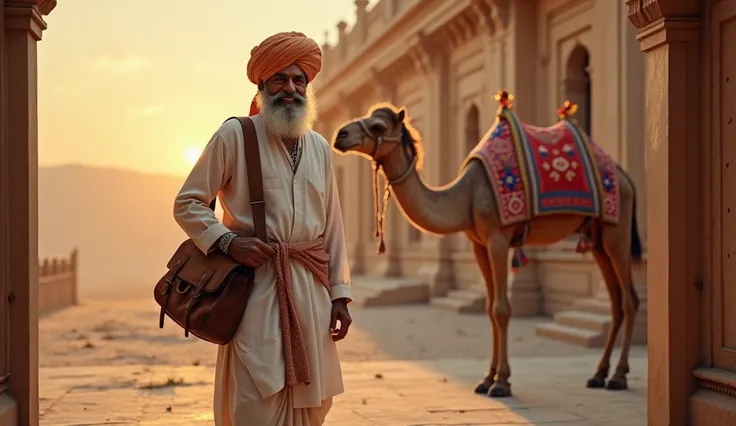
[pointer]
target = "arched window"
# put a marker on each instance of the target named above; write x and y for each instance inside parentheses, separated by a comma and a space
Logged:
(472, 128)
(577, 85)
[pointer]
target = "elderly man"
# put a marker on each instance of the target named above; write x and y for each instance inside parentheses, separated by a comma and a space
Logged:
(260, 378)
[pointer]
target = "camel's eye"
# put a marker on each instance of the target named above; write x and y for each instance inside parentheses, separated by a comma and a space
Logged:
(377, 127)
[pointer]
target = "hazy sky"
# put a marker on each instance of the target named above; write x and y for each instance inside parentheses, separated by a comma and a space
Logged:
(138, 83)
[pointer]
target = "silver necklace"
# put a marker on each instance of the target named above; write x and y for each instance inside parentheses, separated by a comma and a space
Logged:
(295, 154)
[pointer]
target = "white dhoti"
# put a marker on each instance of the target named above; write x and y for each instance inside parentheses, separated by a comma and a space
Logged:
(234, 409)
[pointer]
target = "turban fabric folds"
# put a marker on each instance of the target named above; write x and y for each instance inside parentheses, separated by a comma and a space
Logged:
(280, 51)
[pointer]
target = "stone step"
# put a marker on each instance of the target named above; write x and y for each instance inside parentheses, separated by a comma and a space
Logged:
(575, 336)
(375, 291)
(467, 294)
(593, 306)
(461, 301)
(449, 303)
(595, 322)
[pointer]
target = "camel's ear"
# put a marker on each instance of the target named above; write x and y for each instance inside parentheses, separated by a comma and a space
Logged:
(401, 115)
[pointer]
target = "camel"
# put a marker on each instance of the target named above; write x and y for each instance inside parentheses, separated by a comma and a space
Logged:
(469, 205)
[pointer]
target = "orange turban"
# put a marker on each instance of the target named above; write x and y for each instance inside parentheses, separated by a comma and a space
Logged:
(280, 51)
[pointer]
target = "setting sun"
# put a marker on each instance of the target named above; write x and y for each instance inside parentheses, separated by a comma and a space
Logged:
(192, 155)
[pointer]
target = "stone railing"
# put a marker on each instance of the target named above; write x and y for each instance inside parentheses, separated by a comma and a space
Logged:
(369, 23)
(57, 283)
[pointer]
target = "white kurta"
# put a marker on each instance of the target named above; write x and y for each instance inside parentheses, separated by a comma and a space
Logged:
(300, 206)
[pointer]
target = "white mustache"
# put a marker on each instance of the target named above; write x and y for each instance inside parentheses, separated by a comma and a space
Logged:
(280, 95)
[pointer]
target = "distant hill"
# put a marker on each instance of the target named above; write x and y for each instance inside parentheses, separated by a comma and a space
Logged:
(120, 220)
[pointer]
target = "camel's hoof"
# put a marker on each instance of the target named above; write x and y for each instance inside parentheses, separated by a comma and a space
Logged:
(500, 390)
(617, 383)
(596, 382)
(484, 386)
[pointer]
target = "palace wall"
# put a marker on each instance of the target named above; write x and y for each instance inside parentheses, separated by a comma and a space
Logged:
(444, 61)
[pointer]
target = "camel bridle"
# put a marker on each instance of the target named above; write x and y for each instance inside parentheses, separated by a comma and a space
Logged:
(380, 211)
(380, 140)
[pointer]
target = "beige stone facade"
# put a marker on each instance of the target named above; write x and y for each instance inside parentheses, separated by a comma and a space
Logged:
(444, 60)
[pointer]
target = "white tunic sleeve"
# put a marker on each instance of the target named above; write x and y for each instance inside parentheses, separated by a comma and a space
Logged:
(208, 176)
(339, 269)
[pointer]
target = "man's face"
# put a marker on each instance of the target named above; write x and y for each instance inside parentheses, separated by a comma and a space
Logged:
(289, 80)
(286, 103)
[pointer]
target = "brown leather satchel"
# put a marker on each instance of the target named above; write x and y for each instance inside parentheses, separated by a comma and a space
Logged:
(207, 294)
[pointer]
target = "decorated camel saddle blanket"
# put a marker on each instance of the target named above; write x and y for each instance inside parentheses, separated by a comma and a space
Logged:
(538, 171)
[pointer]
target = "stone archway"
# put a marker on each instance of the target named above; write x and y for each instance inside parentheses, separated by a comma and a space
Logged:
(577, 84)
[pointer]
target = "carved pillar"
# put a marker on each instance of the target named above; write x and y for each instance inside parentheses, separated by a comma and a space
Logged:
(359, 202)
(515, 26)
(19, 203)
(4, 226)
(390, 264)
(433, 60)
(669, 35)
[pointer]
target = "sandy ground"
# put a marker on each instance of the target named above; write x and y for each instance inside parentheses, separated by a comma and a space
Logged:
(126, 332)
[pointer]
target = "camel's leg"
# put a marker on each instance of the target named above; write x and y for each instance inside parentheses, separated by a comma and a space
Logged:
(481, 257)
(498, 255)
(614, 293)
(617, 246)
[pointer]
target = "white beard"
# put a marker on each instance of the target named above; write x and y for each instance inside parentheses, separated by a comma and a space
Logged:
(287, 120)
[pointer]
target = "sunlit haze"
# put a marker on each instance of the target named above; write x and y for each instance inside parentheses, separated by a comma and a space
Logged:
(143, 84)
(192, 154)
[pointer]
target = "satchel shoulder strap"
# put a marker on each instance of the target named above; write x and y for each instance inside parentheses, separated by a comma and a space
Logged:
(255, 178)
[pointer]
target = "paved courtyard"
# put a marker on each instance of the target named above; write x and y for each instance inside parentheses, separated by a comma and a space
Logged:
(381, 393)
(107, 362)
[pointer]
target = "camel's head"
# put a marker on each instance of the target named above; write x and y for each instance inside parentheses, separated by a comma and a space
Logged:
(384, 131)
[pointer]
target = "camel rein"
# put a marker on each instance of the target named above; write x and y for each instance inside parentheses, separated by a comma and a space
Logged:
(380, 211)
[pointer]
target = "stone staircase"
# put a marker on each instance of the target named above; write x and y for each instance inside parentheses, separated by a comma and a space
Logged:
(463, 301)
(588, 322)
(369, 291)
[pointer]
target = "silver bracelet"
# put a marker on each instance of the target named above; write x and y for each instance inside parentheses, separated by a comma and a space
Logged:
(225, 241)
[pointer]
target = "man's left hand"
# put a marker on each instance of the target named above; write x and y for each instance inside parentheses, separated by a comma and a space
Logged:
(340, 312)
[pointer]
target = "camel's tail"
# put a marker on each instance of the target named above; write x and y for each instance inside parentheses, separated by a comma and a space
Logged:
(636, 248)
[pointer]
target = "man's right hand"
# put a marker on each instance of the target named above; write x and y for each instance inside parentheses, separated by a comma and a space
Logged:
(250, 251)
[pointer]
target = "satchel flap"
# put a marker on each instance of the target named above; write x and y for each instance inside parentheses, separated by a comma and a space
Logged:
(193, 265)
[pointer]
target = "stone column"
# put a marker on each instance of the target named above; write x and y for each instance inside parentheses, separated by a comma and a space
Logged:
(388, 265)
(516, 26)
(358, 200)
(434, 62)
(669, 35)
(5, 413)
(19, 203)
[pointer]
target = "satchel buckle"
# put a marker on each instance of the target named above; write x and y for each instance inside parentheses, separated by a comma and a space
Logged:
(167, 286)
(193, 302)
